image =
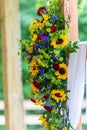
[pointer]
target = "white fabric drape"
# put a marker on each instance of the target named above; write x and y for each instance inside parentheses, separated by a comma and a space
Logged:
(76, 79)
(86, 94)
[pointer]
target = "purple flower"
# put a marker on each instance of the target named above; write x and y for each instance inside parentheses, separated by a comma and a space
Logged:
(46, 11)
(36, 48)
(27, 53)
(54, 57)
(42, 45)
(41, 72)
(42, 33)
(45, 38)
(52, 107)
(54, 18)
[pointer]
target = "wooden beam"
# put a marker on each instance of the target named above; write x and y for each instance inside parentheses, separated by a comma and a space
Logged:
(13, 97)
(71, 10)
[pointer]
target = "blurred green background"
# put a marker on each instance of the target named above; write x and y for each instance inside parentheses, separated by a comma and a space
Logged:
(28, 9)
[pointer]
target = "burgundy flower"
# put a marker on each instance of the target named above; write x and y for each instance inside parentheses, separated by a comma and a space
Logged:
(32, 100)
(56, 66)
(53, 29)
(48, 108)
(45, 96)
(40, 36)
(37, 85)
(40, 10)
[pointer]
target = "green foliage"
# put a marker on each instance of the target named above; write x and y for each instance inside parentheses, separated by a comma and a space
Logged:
(83, 22)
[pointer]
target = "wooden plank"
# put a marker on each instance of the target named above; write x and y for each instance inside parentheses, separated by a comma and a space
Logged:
(11, 65)
(33, 120)
(28, 120)
(28, 105)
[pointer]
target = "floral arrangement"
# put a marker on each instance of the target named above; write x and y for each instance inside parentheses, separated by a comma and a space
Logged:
(46, 51)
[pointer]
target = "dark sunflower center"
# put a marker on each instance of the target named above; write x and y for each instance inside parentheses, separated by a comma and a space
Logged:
(62, 71)
(59, 41)
(34, 67)
(58, 95)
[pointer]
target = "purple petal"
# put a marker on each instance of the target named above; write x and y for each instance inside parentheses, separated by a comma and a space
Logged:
(54, 57)
(54, 18)
(41, 72)
(45, 38)
(42, 45)
(36, 47)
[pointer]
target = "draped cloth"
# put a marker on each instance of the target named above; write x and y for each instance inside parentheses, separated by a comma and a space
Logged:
(76, 77)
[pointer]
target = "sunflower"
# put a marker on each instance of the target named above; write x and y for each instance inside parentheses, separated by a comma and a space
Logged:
(58, 95)
(34, 89)
(43, 121)
(60, 42)
(33, 69)
(62, 73)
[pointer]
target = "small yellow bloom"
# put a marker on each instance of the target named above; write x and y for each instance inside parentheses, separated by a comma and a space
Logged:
(33, 69)
(53, 43)
(30, 49)
(65, 128)
(45, 16)
(33, 63)
(34, 72)
(58, 95)
(34, 89)
(44, 122)
(40, 24)
(34, 37)
(34, 22)
(39, 102)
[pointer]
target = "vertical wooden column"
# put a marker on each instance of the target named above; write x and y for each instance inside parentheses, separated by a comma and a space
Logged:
(11, 65)
(70, 9)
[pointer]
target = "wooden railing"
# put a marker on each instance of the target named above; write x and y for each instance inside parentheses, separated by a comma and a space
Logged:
(32, 119)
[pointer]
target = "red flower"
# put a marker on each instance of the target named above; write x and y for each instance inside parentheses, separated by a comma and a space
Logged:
(32, 100)
(56, 66)
(53, 29)
(48, 108)
(40, 36)
(40, 10)
(45, 96)
(37, 85)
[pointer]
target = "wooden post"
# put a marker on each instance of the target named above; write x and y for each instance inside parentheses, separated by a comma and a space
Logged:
(11, 65)
(70, 9)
